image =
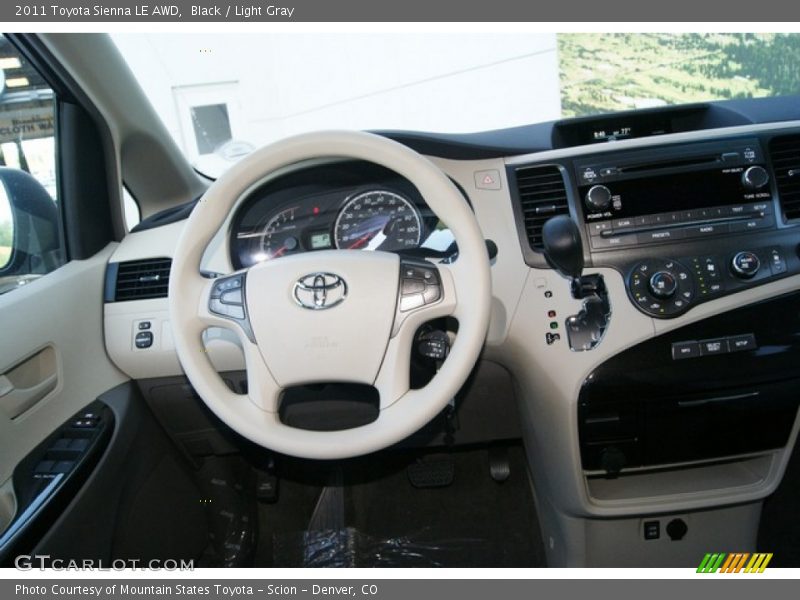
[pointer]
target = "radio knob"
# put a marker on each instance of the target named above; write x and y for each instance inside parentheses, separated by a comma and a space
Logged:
(663, 284)
(745, 264)
(755, 177)
(598, 197)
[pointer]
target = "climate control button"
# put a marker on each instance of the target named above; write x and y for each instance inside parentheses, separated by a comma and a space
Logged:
(745, 264)
(661, 288)
(663, 284)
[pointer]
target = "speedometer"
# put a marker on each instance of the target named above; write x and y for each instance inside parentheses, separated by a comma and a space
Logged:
(378, 220)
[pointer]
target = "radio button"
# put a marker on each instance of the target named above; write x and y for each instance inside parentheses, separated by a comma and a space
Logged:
(738, 210)
(760, 207)
(661, 219)
(643, 220)
(740, 226)
(706, 230)
(598, 228)
(614, 241)
(666, 235)
(712, 347)
(619, 224)
(681, 350)
(742, 343)
(755, 177)
(752, 224)
(598, 197)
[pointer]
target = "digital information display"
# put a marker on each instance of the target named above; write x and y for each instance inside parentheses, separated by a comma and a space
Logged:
(320, 240)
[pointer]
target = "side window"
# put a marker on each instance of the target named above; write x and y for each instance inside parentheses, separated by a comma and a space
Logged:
(31, 243)
(132, 213)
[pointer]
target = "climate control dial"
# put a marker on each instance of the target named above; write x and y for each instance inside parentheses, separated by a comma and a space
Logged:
(745, 264)
(661, 288)
(663, 284)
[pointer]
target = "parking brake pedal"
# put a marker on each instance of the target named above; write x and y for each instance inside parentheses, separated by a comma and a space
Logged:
(433, 474)
(499, 465)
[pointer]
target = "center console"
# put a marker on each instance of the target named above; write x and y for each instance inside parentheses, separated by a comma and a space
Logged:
(683, 224)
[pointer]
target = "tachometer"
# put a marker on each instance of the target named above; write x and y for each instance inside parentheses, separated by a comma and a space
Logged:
(278, 237)
(378, 220)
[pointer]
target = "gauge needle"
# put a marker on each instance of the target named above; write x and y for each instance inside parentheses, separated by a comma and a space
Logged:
(375, 242)
(360, 241)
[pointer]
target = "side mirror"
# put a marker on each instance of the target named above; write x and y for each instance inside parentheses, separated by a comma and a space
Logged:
(6, 230)
(29, 226)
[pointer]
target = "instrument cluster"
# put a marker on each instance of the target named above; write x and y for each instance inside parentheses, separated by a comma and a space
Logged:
(355, 207)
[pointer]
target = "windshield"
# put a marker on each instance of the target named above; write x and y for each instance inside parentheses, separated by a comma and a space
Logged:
(222, 96)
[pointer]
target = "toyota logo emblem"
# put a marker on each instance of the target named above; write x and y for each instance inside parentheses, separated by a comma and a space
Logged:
(318, 291)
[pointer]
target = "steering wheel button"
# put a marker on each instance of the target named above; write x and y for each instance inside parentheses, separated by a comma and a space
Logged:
(217, 307)
(413, 286)
(411, 302)
(237, 312)
(432, 294)
(232, 297)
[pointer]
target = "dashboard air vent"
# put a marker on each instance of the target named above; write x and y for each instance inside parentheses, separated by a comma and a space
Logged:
(142, 279)
(785, 155)
(542, 195)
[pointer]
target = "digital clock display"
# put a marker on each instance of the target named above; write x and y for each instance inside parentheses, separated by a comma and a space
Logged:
(610, 134)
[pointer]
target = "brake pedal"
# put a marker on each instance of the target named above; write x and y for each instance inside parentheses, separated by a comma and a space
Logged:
(499, 465)
(433, 474)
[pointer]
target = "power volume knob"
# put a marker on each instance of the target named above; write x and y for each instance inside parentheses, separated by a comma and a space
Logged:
(663, 284)
(755, 177)
(745, 264)
(598, 197)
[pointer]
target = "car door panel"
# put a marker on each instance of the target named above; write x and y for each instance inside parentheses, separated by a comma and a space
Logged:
(56, 321)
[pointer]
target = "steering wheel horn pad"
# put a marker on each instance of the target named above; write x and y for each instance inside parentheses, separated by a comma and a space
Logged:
(319, 342)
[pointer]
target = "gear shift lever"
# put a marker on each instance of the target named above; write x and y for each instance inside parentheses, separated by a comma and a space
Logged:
(563, 247)
(564, 251)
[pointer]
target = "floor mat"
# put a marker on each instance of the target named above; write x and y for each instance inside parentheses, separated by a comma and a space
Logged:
(473, 522)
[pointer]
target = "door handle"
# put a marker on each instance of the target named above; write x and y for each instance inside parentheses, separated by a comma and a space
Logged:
(28, 382)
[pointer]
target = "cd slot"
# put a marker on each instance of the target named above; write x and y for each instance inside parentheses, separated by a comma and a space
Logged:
(670, 164)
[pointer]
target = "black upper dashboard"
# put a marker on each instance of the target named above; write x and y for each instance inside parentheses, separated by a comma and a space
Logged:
(579, 131)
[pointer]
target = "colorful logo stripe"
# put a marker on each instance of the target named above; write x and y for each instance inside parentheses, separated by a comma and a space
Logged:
(735, 562)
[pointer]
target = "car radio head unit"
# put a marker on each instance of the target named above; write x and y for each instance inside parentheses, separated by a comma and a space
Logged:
(686, 191)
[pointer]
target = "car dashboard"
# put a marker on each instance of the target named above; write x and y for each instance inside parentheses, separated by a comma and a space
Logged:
(679, 406)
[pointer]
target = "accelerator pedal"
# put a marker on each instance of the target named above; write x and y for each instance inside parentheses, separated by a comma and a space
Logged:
(499, 464)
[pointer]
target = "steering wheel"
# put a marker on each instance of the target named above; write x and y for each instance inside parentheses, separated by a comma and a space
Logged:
(330, 315)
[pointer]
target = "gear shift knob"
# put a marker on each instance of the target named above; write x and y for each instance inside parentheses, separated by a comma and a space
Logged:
(562, 246)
